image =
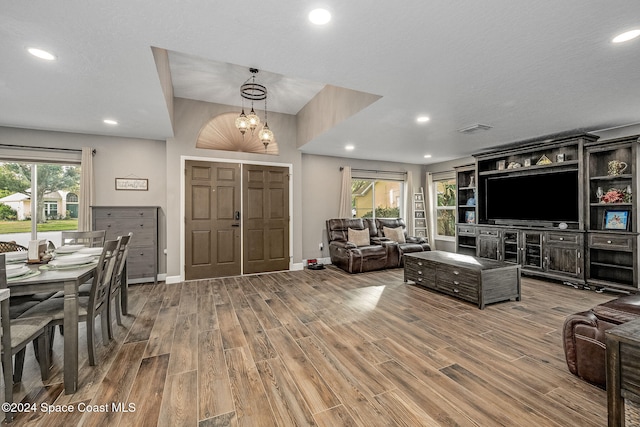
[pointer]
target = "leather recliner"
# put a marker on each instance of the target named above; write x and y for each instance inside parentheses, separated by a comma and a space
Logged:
(348, 256)
(583, 336)
(412, 244)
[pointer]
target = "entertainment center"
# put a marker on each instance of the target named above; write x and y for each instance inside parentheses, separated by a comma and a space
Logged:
(563, 209)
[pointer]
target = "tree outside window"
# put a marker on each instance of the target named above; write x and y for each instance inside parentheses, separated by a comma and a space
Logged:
(376, 198)
(446, 208)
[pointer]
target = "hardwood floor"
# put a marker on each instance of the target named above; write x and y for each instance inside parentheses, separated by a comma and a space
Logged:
(326, 348)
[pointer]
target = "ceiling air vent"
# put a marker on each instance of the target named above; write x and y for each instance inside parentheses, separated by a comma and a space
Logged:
(474, 128)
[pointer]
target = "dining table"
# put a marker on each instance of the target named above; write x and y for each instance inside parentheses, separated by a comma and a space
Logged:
(46, 278)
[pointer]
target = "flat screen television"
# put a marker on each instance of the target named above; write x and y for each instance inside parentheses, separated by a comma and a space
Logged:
(545, 197)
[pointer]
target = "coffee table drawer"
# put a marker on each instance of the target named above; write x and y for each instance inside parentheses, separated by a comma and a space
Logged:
(457, 282)
(420, 272)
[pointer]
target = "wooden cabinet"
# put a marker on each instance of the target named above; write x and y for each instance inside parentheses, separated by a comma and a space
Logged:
(142, 260)
(466, 242)
(563, 254)
(489, 243)
(466, 205)
(611, 169)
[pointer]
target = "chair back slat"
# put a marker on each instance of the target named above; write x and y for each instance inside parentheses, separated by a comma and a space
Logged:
(99, 294)
(121, 260)
(90, 239)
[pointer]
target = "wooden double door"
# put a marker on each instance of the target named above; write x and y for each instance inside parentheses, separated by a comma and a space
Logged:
(236, 219)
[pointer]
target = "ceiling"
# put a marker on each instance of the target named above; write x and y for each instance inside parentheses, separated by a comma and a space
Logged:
(528, 69)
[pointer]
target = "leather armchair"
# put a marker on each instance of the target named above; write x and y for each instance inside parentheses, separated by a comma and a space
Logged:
(412, 243)
(348, 256)
(583, 336)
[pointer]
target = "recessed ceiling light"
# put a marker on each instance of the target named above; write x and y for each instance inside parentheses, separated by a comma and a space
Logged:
(349, 147)
(625, 37)
(427, 156)
(422, 119)
(319, 16)
(110, 121)
(42, 54)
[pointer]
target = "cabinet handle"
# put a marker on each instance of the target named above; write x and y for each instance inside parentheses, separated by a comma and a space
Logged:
(420, 263)
(419, 279)
(562, 238)
(457, 291)
(609, 241)
(455, 282)
(420, 272)
(456, 272)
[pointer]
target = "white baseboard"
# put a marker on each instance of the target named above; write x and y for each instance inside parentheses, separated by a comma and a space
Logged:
(297, 266)
(172, 279)
(325, 261)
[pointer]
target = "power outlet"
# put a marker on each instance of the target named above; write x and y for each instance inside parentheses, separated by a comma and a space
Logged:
(321, 246)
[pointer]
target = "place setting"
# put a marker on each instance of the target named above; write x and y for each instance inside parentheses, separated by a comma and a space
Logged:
(73, 260)
(19, 272)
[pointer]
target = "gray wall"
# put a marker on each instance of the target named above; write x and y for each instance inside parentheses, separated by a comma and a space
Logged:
(115, 158)
(321, 182)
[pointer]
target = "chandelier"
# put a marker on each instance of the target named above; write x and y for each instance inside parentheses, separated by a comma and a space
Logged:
(254, 92)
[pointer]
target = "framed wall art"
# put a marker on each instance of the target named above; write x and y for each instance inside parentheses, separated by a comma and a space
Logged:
(132, 184)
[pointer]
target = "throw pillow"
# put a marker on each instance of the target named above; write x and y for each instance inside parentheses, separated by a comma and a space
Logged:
(358, 237)
(395, 234)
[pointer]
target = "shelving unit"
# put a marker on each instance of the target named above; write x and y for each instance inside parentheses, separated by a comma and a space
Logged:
(466, 209)
(420, 215)
(612, 255)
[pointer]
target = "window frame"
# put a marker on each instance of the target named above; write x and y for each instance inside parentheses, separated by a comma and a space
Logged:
(438, 208)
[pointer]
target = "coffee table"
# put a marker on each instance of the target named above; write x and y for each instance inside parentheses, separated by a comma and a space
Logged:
(477, 280)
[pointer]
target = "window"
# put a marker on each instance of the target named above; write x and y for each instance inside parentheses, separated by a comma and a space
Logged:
(445, 191)
(372, 198)
(21, 220)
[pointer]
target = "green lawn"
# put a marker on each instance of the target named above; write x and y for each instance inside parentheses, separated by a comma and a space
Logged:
(7, 227)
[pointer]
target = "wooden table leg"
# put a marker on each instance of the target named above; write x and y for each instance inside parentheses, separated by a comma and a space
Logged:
(70, 336)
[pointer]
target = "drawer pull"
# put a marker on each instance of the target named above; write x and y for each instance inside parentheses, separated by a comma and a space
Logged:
(457, 291)
(420, 272)
(420, 263)
(609, 241)
(455, 282)
(456, 272)
(562, 238)
(419, 279)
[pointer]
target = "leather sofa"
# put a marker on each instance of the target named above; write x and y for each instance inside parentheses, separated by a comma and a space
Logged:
(381, 252)
(583, 336)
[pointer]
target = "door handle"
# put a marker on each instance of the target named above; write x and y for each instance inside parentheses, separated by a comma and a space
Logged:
(235, 225)
(237, 216)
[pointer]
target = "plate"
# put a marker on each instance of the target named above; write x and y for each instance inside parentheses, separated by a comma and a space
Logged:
(67, 249)
(19, 271)
(74, 259)
(90, 251)
(16, 256)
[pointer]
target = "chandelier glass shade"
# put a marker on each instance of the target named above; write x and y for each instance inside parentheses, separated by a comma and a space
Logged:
(254, 92)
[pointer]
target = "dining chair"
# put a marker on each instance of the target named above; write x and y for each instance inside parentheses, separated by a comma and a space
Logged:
(89, 307)
(118, 280)
(11, 247)
(90, 239)
(16, 334)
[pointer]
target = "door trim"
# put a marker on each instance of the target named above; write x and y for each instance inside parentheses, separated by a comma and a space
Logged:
(183, 160)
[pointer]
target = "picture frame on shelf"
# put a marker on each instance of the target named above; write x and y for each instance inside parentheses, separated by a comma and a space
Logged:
(616, 219)
(418, 198)
(421, 223)
(419, 215)
(502, 164)
(527, 163)
(420, 206)
(421, 233)
(470, 217)
(560, 158)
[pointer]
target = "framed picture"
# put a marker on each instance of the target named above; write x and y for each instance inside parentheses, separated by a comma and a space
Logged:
(134, 184)
(421, 233)
(527, 163)
(418, 198)
(470, 217)
(616, 220)
(502, 164)
(420, 206)
(419, 215)
(421, 223)
(560, 158)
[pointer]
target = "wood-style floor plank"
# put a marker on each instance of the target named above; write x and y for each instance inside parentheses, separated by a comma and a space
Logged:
(327, 348)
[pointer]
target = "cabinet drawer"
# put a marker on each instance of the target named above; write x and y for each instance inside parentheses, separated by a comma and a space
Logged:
(141, 262)
(457, 282)
(143, 229)
(489, 232)
(563, 238)
(466, 230)
(613, 242)
(419, 272)
(124, 213)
